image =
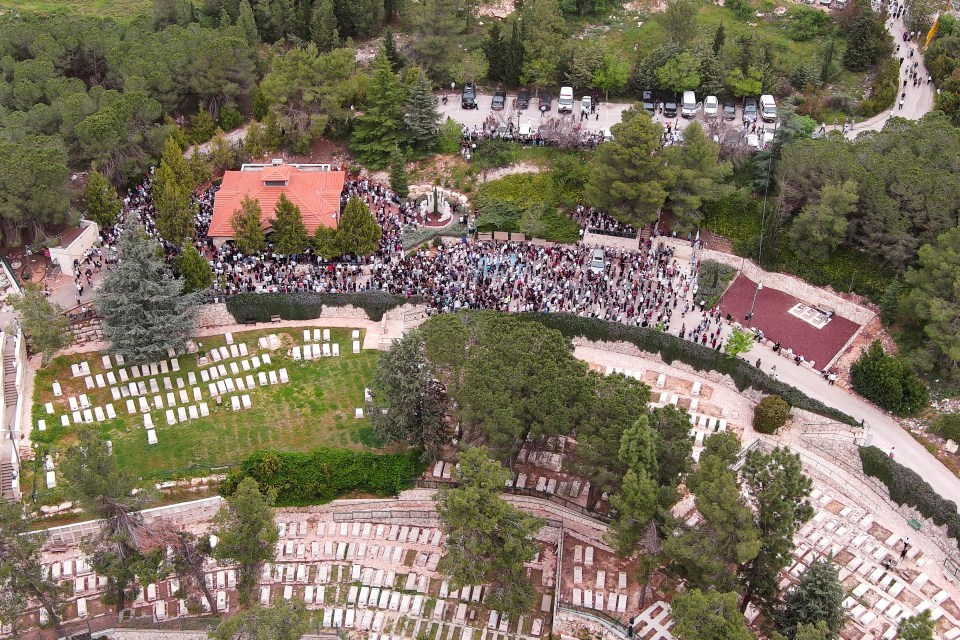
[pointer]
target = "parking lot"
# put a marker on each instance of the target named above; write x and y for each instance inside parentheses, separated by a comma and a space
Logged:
(609, 114)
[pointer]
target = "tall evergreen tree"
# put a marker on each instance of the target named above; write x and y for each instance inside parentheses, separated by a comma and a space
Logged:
(290, 235)
(248, 23)
(247, 228)
(193, 270)
(780, 490)
(359, 18)
(710, 615)
(284, 620)
(247, 534)
(283, 16)
(868, 41)
(494, 49)
(488, 539)
(393, 54)
(422, 116)
(514, 55)
(543, 41)
(101, 199)
(407, 404)
(324, 30)
(817, 598)
(143, 307)
(380, 129)
(399, 180)
(719, 38)
(171, 201)
(358, 232)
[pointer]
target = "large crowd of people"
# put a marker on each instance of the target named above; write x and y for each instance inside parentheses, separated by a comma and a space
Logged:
(645, 287)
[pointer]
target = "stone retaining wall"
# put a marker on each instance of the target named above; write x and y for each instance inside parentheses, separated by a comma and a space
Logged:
(151, 634)
(611, 242)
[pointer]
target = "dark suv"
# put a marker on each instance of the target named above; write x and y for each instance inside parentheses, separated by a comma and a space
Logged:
(750, 110)
(523, 99)
(670, 108)
(648, 103)
(468, 100)
(499, 100)
(546, 100)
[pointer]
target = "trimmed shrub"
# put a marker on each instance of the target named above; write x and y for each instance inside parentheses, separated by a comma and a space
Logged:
(712, 280)
(701, 358)
(326, 474)
(771, 413)
(888, 381)
(261, 307)
(907, 487)
(946, 426)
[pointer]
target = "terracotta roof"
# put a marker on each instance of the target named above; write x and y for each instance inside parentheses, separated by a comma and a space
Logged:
(316, 193)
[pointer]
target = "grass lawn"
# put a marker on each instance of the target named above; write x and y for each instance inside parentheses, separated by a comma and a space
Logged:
(121, 10)
(315, 408)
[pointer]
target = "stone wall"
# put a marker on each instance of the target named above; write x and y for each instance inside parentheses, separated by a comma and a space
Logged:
(152, 634)
(611, 242)
(214, 315)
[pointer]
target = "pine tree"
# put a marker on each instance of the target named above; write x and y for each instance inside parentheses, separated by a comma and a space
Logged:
(323, 26)
(396, 58)
(380, 129)
(144, 309)
(422, 117)
(514, 55)
(282, 18)
(488, 539)
(818, 597)
(290, 235)
(358, 232)
(719, 38)
(193, 270)
(247, 534)
(248, 23)
(103, 204)
(399, 180)
(247, 228)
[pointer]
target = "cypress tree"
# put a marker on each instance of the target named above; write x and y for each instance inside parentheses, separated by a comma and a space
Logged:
(422, 117)
(248, 23)
(493, 49)
(290, 235)
(247, 230)
(144, 308)
(399, 180)
(101, 198)
(396, 58)
(193, 270)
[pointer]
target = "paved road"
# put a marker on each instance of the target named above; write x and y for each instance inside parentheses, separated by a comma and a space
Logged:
(918, 100)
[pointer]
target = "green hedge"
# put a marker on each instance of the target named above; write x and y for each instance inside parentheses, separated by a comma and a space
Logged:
(907, 487)
(701, 358)
(260, 307)
(326, 474)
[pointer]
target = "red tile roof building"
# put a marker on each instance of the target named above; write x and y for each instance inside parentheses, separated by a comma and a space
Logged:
(313, 188)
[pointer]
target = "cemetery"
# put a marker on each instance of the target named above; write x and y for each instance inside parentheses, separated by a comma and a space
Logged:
(236, 393)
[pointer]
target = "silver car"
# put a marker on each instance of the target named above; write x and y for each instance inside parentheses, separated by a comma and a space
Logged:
(598, 261)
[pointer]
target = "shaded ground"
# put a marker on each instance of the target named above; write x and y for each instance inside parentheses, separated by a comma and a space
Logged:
(771, 315)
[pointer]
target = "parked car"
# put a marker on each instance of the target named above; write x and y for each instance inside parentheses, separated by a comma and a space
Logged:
(670, 108)
(711, 107)
(750, 110)
(768, 108)
(586, 104)
(523, 99)
(468, 99)
(729, 110)
(565, 105)
(649, 105)
(546, 100)
(598, 261)
(688, 108)
(499, 100)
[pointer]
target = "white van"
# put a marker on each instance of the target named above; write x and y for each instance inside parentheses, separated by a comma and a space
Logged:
(598, 261)
(768, 108)
(688, 108)
(566, 100)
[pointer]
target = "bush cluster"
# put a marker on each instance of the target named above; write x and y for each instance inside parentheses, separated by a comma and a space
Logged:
(888, 381)
(325, 474)
(712, 280)
(771, 413)
(907, 487)
(260, 307)
(701, 358)
(947, 426)
(883, 90)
